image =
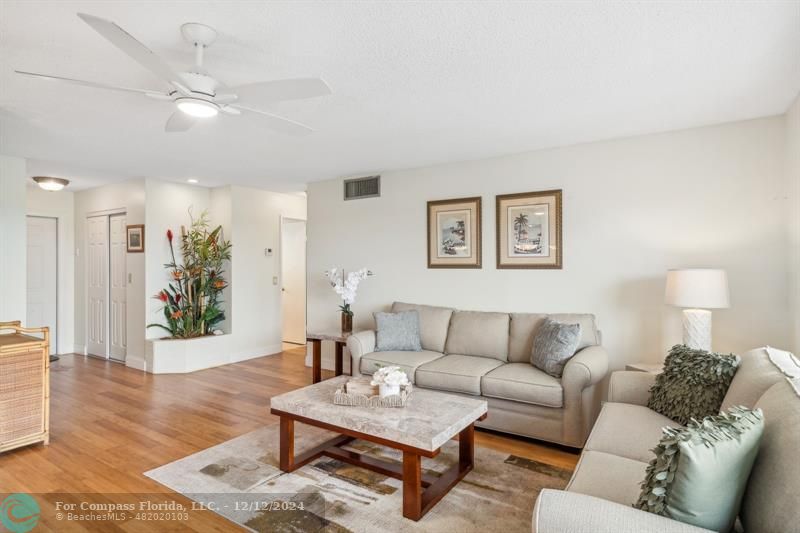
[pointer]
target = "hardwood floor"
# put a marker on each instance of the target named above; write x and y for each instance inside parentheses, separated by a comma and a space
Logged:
(110, 423)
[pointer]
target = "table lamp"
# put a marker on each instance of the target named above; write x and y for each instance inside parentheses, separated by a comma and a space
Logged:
(697, 290)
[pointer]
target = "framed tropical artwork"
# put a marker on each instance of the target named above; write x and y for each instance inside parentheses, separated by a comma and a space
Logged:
(454, 233)
(529, 230)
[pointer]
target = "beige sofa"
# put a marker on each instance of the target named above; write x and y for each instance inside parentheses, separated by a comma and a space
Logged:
(488, 355)
(606, 480)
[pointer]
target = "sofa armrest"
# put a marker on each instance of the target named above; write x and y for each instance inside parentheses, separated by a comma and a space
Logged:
(627, 386)
(585, 368)
(359, 344)
(555, 512)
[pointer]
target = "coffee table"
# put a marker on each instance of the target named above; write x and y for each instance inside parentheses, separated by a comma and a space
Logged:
(419, 429)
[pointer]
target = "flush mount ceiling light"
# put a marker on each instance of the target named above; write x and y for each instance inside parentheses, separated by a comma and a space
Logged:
(191, 180)
(51, 184)
(196, 107)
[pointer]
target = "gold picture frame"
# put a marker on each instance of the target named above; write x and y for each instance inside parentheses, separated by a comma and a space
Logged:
(528, 230)
(454, 233)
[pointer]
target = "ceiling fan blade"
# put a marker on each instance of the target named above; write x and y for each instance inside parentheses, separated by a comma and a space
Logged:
(133, 48)
(152, 94)
(277, 90)
(179, 121)
(229, 110)
(279, 124)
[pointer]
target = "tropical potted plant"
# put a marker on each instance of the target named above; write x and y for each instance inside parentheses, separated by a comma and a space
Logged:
(193, 300)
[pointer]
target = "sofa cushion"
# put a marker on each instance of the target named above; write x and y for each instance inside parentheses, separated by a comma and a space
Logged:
(755, 375)
(433, 324)
(523, 382)
(478, 333)
(628, 431)
(770, 500)
(608, 476)
(407, 361)
(699, 472)
(692, 384)
(456, 373)
(553, 345)
(524, 325)
(397, 332)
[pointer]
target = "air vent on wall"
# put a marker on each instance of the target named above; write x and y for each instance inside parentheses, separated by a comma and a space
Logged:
(358, 188)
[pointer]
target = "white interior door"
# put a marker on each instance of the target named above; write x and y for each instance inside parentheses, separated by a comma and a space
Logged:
(118, 291)
(97, 282)
(293, 278)
(43, 276)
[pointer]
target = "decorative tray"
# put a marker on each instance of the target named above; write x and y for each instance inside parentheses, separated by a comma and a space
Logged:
(359, 393)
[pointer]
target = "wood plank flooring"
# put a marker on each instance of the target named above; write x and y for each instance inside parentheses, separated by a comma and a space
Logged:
(110, 423)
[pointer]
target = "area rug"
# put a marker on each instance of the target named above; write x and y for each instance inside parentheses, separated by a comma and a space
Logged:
(240, 480)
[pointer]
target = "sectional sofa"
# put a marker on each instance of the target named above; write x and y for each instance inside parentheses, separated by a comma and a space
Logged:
(606, 481)
(488, 355)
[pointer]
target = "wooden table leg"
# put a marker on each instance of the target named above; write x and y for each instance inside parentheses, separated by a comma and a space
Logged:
(412, 485)
(287, 444)
(466, 447)
(339, 357)
(316, 362)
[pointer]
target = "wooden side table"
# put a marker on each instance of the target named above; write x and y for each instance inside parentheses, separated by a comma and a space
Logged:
(653, 368)
(340, 339)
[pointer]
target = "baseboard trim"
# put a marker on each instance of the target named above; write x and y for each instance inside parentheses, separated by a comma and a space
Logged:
(137, 363)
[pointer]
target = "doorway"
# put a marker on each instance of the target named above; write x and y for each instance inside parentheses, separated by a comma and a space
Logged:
(293, 280)
(42, 278)
(106, 282)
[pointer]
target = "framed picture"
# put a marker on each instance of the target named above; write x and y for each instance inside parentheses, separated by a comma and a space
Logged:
(454, 233)
(135, 238)
(529, 230)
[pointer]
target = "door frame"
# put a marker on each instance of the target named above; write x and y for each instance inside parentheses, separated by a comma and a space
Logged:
(58, 269)
(283, 221)
(85, 238)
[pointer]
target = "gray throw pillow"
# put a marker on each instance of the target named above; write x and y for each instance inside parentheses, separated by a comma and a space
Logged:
(692, 384)
(397, 332)
(554, 344)
(700, 472)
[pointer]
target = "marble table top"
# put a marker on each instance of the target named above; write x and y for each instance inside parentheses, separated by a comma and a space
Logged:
(428, 420)
(336, 336)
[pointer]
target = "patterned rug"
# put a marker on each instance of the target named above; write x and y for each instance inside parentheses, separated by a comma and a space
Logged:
(240, 480)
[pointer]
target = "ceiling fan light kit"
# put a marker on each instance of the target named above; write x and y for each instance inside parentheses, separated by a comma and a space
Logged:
(51, 184)
(197, 107)
(194, 92)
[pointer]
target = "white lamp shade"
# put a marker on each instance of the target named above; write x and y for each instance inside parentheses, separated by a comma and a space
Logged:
(698, 288)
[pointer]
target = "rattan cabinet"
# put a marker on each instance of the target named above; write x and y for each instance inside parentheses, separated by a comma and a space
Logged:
(24, 386)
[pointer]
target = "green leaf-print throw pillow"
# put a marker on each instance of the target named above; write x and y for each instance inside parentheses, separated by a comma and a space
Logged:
(700, 471)
(693, 383)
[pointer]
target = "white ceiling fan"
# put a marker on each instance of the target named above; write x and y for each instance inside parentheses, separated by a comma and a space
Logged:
(195, 92)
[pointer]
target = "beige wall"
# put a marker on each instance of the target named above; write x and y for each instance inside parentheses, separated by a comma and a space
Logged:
(256, 301)
(793, 179)
(13, 239)
(633, 208)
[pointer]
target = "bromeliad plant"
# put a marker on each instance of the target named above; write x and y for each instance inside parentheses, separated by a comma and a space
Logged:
(192, 301)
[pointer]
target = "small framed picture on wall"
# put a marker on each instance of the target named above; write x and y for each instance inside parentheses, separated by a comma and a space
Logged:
(135, 238)
(529, 230)
(454, 233)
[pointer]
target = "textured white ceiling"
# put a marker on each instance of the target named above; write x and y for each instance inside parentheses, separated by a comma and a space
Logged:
(415, 83)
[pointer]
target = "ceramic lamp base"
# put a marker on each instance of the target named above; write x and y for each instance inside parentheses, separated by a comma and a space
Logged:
(697, 329)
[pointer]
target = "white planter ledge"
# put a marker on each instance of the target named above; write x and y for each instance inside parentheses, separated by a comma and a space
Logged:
(179, 356)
